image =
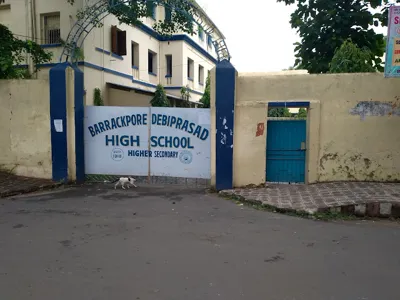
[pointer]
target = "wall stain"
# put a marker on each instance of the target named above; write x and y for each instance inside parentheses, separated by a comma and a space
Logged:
(326, 157)
(355, 166)
(355, 157)
(375, 108)
(367, 162)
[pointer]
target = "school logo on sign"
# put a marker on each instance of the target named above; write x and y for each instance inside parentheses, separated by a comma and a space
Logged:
(186, 157)
(117, 154)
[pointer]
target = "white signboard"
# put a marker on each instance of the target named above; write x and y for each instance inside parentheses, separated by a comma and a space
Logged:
(147, 140)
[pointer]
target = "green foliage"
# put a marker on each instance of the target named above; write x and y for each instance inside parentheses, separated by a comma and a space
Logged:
(205, 99)
(279, 112)
(302, 113)
(131, 14)
(160, 98)
(185, 96)
(351, 59)
(323, 26)
(13, 52)
(97, 98)
(78, 52)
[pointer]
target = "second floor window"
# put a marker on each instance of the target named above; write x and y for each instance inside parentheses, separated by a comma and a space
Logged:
(190, 69)
(135, 55)
(151, 9)
(169, 65)
(201, 75)
(51, 32)
(168, 14)
(201, 33)
(152, 62)
(209, 41)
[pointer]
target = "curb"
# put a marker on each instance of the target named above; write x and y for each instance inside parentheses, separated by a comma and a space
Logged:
(371, 209)
(30, 190)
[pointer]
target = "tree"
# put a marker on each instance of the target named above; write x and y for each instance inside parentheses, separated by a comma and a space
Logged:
(279, 112)
(97, 98)
(13, 52)
(349, 58)
(180, 14)
(323, 26)
(160, 98)
(302, 114)
(185, 96)
(205, 99)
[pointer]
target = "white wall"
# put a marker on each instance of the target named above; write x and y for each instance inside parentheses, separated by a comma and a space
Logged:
(18, 19)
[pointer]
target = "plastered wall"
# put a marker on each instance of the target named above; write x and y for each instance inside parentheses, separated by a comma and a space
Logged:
(352, 128)
(25, 127)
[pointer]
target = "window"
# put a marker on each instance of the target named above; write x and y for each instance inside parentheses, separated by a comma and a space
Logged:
(118, 41)
(209, 40)
(201, 75)
(168, 14)
(51, 33)
(152, 62)
(151, 9)
(201, 33)
(169, 65)
(135, 55)
(190, 69)
(5, 5)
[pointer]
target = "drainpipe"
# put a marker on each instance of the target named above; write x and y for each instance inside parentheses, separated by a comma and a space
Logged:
(34, 27)
(26, 26)
(29, 33)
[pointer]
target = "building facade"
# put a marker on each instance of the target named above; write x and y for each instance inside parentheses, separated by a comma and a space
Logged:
(127, 75)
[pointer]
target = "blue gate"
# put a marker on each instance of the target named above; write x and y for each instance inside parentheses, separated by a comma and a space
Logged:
(286, 153)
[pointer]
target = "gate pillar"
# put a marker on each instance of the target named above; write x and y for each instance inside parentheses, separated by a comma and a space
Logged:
(223, 80)
(66, 122)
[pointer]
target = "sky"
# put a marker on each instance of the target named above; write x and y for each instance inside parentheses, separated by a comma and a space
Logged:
(257, 32)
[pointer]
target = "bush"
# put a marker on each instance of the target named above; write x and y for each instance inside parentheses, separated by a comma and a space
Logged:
(97, 99)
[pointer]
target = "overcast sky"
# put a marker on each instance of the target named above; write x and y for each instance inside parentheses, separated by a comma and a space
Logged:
(257, 32)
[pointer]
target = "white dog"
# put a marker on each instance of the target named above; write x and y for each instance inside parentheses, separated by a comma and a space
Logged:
(125, 180)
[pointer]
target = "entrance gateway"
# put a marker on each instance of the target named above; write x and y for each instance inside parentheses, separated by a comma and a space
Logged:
(286, 151)
(147, 141)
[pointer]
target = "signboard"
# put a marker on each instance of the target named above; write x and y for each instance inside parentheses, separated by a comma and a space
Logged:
(392, 61)
(139, 141)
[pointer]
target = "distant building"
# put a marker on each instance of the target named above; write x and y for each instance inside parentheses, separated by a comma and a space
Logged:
(128, 76)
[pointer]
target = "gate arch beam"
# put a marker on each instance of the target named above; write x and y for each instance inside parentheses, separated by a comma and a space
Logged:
(94, 14)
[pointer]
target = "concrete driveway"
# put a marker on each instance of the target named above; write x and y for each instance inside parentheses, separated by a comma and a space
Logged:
(93, 242)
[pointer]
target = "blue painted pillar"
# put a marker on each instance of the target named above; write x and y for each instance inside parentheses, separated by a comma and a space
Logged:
(59, 119)
(79, 126)
(58, 122)
(225, 77)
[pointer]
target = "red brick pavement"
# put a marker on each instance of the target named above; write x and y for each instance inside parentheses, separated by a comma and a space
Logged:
(317, 197)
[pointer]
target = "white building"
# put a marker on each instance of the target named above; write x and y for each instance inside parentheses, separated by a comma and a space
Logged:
(125, 76)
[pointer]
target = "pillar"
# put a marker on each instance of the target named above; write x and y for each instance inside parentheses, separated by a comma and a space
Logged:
(223, 78)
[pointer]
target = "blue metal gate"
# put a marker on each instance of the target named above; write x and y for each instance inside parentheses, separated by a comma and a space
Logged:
(286, 153)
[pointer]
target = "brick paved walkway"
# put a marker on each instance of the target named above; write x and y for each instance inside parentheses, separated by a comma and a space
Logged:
(314, 197)
(13, 185)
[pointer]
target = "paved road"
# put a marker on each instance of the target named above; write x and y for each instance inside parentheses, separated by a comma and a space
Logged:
(168, 243)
